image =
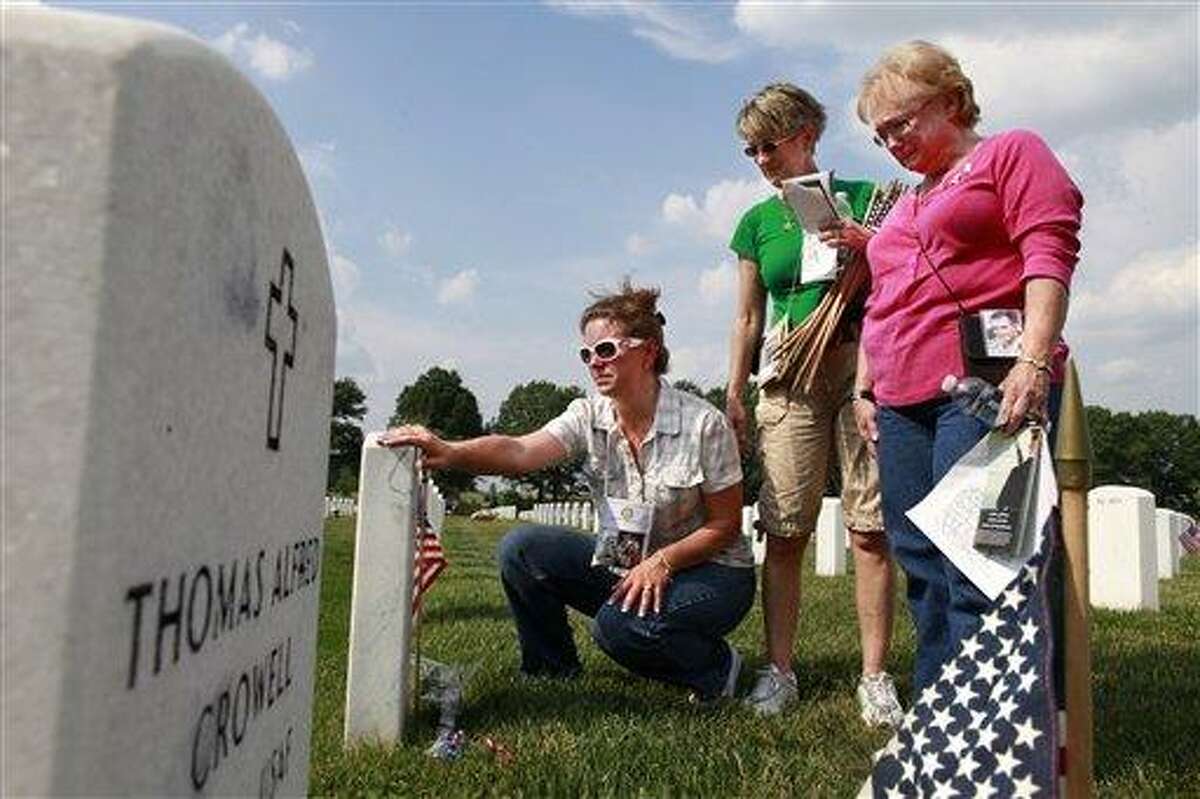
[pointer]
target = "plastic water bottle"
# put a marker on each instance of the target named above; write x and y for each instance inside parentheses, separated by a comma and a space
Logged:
(976, 396)
(841, 202)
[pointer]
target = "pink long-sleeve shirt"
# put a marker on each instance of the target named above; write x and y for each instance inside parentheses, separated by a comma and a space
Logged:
(1009, 212)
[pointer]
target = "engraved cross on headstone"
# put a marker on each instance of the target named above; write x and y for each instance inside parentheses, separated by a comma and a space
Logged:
(280, 331)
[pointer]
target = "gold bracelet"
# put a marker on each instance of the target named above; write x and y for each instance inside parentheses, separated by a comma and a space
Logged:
(1040, 365)
(664, 564)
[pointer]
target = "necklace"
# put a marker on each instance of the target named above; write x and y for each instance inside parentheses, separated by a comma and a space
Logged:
(790, 222)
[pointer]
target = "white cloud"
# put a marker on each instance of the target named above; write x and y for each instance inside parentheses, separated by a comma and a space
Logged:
(317, 160)
(386, 346)
(716, 216)
(458, 288)
(717, 285)
(694, 34)
(1102, 78)
(345, 276)
(1158, 289)
(636, 244)
(871, 26)
(1122, 369)
(703, 361)
(394, 241)
(1062, 70)
(1136, 282)
(269, 58)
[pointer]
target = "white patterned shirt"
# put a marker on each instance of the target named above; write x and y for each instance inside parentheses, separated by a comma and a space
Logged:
(689, 451)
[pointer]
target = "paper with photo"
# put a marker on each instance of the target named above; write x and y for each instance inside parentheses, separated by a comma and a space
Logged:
(811, 197)
(949, 515)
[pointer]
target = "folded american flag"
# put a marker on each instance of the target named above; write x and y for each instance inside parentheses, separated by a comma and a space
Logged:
(988, 725)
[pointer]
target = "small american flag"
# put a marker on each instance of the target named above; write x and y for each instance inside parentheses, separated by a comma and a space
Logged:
(429, 557)
(430, 562)
(987, 726)
(1190, 539)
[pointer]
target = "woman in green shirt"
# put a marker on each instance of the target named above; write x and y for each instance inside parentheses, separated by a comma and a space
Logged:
(780, 283)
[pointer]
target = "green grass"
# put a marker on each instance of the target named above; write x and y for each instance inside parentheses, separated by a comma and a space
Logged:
(612, 734)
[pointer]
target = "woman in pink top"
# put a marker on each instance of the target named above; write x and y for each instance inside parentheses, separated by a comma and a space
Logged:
(993, 225)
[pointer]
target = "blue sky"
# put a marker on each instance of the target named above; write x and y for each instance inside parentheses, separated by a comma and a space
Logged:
(479, 167)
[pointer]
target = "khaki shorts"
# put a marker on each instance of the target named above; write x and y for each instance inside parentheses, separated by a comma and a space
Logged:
(797, 434)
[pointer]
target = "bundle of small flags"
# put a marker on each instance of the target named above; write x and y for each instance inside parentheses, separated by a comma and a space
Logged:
(987, 725)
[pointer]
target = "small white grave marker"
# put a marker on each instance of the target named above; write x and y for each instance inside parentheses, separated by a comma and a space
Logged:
(1122, 552)
(831, 539)
(381, 623)
(749, 528)
(1164, 535)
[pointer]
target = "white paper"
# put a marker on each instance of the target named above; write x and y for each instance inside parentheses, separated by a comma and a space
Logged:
(811, 197)
(818, 261)
(949, 514)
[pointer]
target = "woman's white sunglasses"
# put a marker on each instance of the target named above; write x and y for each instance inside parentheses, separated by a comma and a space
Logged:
(607, 349)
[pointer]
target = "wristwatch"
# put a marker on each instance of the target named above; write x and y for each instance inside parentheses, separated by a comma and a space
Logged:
(865, 394)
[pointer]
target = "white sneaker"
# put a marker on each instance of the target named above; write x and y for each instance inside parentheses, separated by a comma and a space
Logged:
(773, 691)
(878, 701)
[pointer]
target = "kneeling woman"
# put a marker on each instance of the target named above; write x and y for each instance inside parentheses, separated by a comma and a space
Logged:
(663, 469)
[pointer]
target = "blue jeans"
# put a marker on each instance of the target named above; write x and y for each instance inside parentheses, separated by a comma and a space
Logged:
(917, 446)
(545, 570)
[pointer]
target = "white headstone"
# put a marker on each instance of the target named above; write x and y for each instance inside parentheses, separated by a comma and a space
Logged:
(1168, 525)
(831, 539)
(749, 528)
(169, 338)
(377, 678)
(505, 512)
(436, 509)
(1122, 552)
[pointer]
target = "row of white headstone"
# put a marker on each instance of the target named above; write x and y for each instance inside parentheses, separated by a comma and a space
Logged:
(508, 512)
(832, 539)
(340, 506)
(1131, 546)
(1131, 543)
(565, 514)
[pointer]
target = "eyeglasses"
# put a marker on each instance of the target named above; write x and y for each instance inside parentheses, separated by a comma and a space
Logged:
(900, 126)
(768, 147)
(608, 349)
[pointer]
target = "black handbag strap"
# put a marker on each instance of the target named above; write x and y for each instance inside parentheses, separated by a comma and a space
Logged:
(962, 311)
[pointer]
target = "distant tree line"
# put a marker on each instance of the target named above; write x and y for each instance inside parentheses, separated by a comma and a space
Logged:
(1154, 450)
